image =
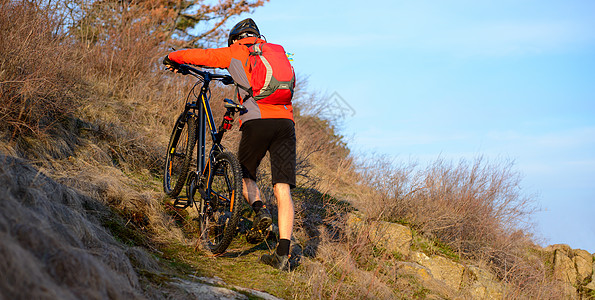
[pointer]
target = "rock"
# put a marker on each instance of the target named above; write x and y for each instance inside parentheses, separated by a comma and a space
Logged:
(416, 270)
(208, 292)
(441, 268)
(424, 276)
(569, 291)
(560, 247)
(591, 285)
(392, 237)
(354, 222)
(395, 238)
(484, 284)
(564, 269)
(215, 288)
(583, 262)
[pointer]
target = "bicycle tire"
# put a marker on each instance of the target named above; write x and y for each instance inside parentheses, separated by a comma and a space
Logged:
(221, 211)
(179, 155)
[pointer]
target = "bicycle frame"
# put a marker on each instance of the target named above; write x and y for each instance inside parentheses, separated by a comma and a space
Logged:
(218, 174)
(204, 116)
(201, 110)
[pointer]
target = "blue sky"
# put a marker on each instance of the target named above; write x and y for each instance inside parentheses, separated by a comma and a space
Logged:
(462, 79)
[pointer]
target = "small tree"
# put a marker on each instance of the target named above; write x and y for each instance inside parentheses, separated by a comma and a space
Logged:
(184, 22)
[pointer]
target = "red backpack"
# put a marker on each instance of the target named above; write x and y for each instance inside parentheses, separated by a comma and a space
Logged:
(273, 78)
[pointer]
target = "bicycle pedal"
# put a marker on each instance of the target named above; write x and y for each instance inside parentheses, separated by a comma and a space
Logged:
(182, 202)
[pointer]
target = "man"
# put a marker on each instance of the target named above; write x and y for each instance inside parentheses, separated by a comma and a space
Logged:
(267, 126)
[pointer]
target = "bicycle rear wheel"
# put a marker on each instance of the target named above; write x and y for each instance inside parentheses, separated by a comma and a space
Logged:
(221, 209)
(179, 155)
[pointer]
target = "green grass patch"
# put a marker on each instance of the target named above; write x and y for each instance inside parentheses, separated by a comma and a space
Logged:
(432, 247)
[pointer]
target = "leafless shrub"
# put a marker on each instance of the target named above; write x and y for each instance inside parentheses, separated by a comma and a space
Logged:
(469, 206)
(476, 209)
(38, 80)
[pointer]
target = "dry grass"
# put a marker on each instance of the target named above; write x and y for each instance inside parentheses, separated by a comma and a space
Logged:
(40, 84)
(48, 233)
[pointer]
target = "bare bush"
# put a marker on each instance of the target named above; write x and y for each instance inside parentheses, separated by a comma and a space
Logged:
(476, 209)
(185, 23)
(340, 265)
(38, 81)
(469, 206)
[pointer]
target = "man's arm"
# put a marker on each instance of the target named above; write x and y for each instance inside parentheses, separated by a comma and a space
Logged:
(213, 58)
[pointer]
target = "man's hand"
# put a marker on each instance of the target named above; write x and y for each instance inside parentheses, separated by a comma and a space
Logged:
(170, 64)
(227, 80)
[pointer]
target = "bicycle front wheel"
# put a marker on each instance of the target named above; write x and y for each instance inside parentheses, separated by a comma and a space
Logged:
(179, 155)
(221, 209)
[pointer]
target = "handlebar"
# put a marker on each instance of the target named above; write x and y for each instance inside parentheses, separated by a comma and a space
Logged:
(188, 70)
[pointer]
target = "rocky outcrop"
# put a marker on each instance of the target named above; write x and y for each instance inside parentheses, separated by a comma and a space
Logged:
(573, 269)
(53, 246)
(392, 237)
(583, 262)
(438, 274)
(590, 287)
(447, 271)
(423, 276)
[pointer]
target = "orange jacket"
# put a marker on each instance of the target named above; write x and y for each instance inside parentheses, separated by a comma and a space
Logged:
(236, 59)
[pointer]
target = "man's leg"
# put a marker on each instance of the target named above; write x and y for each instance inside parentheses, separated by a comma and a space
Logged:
(283, 166)
(286, 210)
(250, 191)
(262, 219)
(252, 148)
(280, 259)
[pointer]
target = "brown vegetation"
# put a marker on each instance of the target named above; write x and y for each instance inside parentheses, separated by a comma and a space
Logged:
(39, 84)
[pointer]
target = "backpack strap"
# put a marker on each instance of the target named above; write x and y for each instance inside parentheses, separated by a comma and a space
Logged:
(255, 49)
(249, 92)
(248, 89)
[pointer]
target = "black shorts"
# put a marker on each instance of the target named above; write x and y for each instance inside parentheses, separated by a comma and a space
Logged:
(277, 136)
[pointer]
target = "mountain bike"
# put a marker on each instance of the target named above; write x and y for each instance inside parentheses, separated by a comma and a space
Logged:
(218, 176)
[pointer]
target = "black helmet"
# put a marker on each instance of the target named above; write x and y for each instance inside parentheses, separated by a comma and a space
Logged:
(243, 29)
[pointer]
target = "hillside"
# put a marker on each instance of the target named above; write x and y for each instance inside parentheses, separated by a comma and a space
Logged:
(58, 243)
(84, 123)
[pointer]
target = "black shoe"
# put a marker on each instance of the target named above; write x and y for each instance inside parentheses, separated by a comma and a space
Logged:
(276, 261)
(261, 223)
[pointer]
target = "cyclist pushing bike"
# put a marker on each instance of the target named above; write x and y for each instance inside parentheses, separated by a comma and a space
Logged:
(265, 81)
